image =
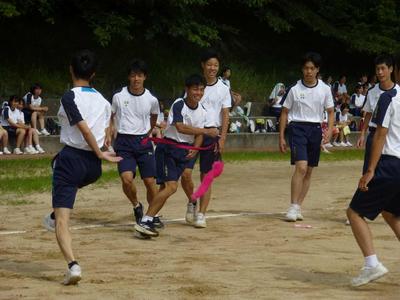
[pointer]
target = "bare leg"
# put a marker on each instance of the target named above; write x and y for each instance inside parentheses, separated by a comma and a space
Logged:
(187, 183)
(35, 137)
(297, 183)
(41, 119)
(393, 222)
(34, 119)
(306, 185)
(129, 187)
(20, 137)
(160, 199)
(28, 137)
(63, 234)
(151, 188)
(361, 232)
(205, 199)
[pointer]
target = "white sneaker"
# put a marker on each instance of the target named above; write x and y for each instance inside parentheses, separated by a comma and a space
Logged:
(40, 149)
(342, 144)
(299, 216)
(18, 151)
(349, 144)
(44, 132)
(38, 132)
(190, 213)
(73, 275)
(49, 223)
(6, 151)
(1, 153)
(291, 214)
(30, 150)
(336, 144)
(369, 274)
(33, 150)
(328, 145)
(200, 221)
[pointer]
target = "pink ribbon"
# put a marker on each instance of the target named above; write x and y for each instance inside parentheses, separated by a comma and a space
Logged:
(175, 144)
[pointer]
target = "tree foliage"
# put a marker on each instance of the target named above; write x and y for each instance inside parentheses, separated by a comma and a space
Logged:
(369, 26)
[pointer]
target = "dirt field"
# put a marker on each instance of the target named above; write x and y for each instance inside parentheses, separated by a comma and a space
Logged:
(236, 257)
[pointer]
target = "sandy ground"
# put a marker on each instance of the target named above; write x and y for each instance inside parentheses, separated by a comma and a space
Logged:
(235, 257)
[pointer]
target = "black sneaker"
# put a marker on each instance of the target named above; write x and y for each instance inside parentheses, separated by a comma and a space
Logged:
(157, 223)
(138, 213)
(146, 228)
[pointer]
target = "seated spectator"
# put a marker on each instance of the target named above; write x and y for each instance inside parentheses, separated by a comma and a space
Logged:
(342, 123)
(275, 99)
(357, 101)
(225, 76)
(363, 79)
(329, 80)
(371, 81)
(339, 89)
(4, 141)
(33, 110)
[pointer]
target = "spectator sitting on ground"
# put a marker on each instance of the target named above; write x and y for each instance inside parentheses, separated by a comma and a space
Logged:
(342, 123)
(31, 133)
(33, 110)
(357, 101)
(275, 99)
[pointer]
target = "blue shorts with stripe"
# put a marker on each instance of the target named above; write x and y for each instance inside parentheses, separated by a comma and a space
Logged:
(383, 190)
(368, 145)
(207, 157)
(134, 154)
(73, 169)
(171, 162)
(305, 142)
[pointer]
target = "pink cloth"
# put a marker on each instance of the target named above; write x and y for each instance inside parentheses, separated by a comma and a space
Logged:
(217, 168)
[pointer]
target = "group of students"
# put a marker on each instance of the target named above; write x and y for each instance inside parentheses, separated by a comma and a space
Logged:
(19, 118)
(198, 120)
(378, 189)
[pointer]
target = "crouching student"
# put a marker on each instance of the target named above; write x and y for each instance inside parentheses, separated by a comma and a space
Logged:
(185, 126)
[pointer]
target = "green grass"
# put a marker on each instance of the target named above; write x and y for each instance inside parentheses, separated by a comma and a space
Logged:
(24, 176)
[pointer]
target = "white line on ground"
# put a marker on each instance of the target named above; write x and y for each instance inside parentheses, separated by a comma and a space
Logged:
(79, 227)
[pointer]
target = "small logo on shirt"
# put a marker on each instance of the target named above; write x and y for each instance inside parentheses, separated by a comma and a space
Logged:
(126, 102)
(302, 96)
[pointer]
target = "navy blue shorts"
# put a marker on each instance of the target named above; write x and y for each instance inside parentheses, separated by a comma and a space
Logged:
(72, 169)
(12, 131)
(305, 142)
(368, 145)
(135, 154)
(207, 157)
(171, 162)
(27, 115)
(383, 190)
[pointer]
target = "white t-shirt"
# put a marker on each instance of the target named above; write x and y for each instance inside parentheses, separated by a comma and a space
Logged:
(83, 104)
(343, 118)
(387, 114)
(15, 115)
(30, 99)
(358, 100)
(215, 98)
(132, 112)
(160, 118)
(307, 104)
(371, 99)
(180, 112)
(227, 82)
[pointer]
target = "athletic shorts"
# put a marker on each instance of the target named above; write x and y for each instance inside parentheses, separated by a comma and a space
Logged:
(368, 145)
(305, 142)
(383, 190)
(207, 157)
(27, 115)
(73, 169)
(170, 162)
(134, 154)
(12, 131)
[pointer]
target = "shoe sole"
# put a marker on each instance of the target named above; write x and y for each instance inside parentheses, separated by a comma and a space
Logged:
(290, 219)
(200, 225)
(73, 280)
(145, 231)
(141, 236)
(47, 227)
(372, 279)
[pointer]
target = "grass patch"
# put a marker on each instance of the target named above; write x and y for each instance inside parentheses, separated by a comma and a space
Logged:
(24, 176)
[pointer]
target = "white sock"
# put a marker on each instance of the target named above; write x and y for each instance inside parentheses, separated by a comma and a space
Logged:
(37, 146)
(147, 218)
(296, 206)
(371, 261)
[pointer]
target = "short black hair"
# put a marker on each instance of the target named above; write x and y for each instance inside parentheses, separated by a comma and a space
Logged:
(12, 98)
(208, 54)
(344, 106)
(137, 66)
(386, 59)
(359, 86)
(313, 57)
(225, 68)
(34, 87)
(195, 80)
(84, 64)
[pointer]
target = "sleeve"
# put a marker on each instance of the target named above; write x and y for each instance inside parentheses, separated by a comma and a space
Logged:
(383, 110)
(328, 98)
(227, 99)
(177, 112)
(29, 99)
(367, 105)
(287, 99)
(73, 114)
(155, 107)
(108, 114)
(22, 117)
(6, 114)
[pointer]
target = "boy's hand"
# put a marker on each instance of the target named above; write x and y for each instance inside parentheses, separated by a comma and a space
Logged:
(110, 156)
(213, 132)
(191, 154)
